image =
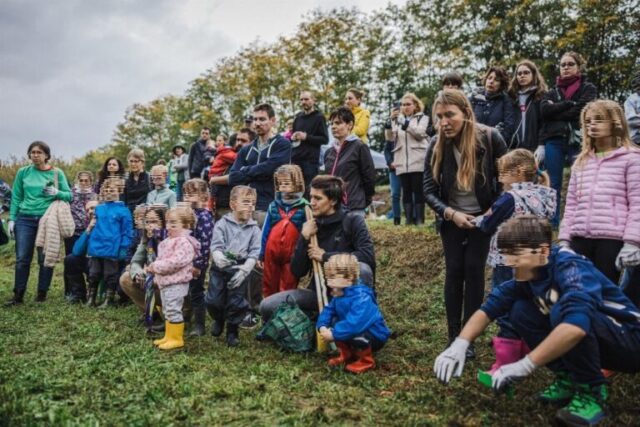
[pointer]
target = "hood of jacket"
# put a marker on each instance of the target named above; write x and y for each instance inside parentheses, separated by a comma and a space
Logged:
(539, 199)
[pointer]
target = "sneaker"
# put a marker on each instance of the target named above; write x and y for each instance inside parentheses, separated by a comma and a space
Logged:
(586, 407)
(559, 392)
(250, 321)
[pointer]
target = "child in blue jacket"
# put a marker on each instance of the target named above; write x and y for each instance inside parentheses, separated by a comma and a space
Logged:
(109, 241)
(352, 319)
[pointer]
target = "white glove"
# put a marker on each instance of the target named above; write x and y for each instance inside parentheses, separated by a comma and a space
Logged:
(220, 260)
(539, 154)
(629, 256)
(564, 244)
(451, 361)
(507, 374)
(51, 190)
(12, 229)
(241, 274)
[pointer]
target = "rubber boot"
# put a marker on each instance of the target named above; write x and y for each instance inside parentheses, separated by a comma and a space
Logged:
(507, 351)
(198, 322)
(77, 288)
(419, 218)
(217, 327)
(109, 299)
(175, 336)
(18, 298)
(344, 356)
(408, 213)
(41, 296)
(91, 296)
(232, 335)
(396, 220)
(165, 338)
(363, 363)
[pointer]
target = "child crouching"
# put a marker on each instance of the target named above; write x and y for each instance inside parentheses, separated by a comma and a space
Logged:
(172, 272)
(352, 319)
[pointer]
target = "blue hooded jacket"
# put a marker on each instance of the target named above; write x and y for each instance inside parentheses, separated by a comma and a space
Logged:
(583, 292)
(111, 236)
(353, 314)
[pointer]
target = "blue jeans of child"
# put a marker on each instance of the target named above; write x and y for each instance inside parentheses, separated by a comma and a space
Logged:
(26, 229)
(501, 274)
(607, 344)
(396, 190)
(557, 153)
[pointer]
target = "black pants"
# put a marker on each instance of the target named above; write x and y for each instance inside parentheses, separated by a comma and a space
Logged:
(104, 268)
(75, 267)
(230, 305)
(412, 187)
(601, 252)
(465, 255)
(196, 295)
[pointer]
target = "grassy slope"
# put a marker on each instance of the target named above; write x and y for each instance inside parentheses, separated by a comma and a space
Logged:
(63, 364)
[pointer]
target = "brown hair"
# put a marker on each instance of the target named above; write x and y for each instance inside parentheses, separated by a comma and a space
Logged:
(524, 231)
(359, 94)
(502, 76)
(452, 78)
(331, 186)
(580, 61)
(538, 80)
(197, 185)
(522, 160)
(294, 173)
(242, 190)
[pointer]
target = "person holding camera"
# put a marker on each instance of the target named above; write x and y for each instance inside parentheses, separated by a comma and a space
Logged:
(409, 131)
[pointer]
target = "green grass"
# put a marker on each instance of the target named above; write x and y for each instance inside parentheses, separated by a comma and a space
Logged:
(69, 365)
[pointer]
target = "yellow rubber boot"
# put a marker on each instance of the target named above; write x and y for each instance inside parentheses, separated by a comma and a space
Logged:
(176, 336)
(166, 334)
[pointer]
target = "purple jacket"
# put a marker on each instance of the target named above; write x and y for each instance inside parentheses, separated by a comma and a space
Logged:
(603, 200)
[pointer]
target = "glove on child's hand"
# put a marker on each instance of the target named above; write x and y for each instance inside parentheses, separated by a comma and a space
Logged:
(507, 374)
(539, 154)
(241, 274)
(220, 260)
(629, 256)
(451, 361)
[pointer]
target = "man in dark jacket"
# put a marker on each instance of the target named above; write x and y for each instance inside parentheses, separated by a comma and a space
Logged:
(338, 232)
(200, 153)
(309, 134)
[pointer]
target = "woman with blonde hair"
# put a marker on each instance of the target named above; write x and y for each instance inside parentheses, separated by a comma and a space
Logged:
(602, 215)
(353, 101)
(526, 91)
(460, 183)
(409, 131)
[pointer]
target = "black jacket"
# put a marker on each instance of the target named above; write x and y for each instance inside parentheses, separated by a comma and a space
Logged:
(355, 167)
(558, 112)
(532, 125)
(337, 233)
(135, 192)
(199, 157)
(307, 154)
(495, 110)
(486, 187)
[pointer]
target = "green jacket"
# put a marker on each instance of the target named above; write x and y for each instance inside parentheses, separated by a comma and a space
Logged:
(28, 197)
(163, 196)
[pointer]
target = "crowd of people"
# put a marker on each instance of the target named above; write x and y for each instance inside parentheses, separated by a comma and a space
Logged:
(253, 211)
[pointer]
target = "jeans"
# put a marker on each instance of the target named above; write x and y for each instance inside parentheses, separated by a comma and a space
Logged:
(557, 153)
(396, 190)
(501, 274)
(26, 229)
(607, 345)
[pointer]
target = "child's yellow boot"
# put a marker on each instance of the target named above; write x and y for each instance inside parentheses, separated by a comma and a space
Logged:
(166, 334)
(175, 332)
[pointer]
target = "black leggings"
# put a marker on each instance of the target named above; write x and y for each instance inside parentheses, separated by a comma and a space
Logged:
(601, 252)
(412, 191)
(465, 255)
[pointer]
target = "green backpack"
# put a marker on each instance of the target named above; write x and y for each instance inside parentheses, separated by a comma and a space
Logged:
(290, 328)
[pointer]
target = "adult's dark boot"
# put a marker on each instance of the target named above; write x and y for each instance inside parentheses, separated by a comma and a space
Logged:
(396, 220)
(232, 335)
(41, 296)
(18, 298)
(91, 296)
(109, 299)
(408, 213)
(197, 330)
(217, 327)
(419, 210)
(77, 288)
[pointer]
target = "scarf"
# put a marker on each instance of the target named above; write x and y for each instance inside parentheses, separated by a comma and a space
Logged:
(569, 85)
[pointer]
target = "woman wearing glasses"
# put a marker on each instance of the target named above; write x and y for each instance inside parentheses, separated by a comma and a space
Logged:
(527, 89)
(560, 109)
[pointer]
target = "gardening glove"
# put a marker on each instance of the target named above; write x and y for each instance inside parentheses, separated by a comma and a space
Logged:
(242, 272)
(451, 361)
(629, 256)
(507, 374)
(12, 229)
(51, 191)
(539, 154)
(220, 260)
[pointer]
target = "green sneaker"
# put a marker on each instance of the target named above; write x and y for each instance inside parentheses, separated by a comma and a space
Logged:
(559, 392)
(586, 408)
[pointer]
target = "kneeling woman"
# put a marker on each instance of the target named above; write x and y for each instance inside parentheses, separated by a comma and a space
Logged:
(460, 182)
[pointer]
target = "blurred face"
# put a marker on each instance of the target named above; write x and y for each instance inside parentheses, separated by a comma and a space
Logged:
(263, 123)
(321, 205)
(451, 119)
(152, 223)
(408, 107)
(135, 164)
(243, 207)
(597, 126)
(242, 139)
(159, 179)
(37, 156)
(285, 184)
(450, 85)
(220, 141)
(174, 225)
(524, 76)
(526, 258)
(350, 100)
(340, 130)
(568, 66)
(178, 151)
(306, 102)
(90, 207)
(491, 84)
(110, 193)
(112, 166)
(205, 134)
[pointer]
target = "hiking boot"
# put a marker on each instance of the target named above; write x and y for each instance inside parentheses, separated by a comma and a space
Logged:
(18, 298)
(587, 407)
(41, 296)
(232, 335)
(109, 299)
(344, 356)
(559, 392)
(363, 363)
(250, 321)
(217, 327)
(91, 296)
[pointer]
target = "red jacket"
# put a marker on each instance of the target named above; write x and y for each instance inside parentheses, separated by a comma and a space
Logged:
(224, 159)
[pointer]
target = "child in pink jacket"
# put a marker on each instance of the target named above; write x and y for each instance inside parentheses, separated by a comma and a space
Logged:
(602, 216)
(173, 270)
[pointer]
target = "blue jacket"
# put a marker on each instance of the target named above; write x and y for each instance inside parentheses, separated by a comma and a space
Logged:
(111, 236)
(353, 314)
(81, 245)
(583, 292)
(255, 168)
(496, 111)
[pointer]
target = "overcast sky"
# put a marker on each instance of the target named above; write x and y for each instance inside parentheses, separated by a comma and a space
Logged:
(70, 68)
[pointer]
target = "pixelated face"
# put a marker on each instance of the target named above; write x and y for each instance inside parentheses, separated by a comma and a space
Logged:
(110, 193)
(510, 176)
(338, 281)
(152, 223)
(84, 182)
(158, 179)
(285, 183)
(243, 207)
(174, 225)
(526, 258)
(598, 126)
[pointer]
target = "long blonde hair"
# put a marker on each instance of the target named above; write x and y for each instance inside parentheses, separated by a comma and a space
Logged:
(467, 171)
(604, 109)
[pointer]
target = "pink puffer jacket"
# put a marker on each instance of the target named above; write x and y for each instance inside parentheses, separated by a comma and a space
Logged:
(603, 201)
(175, 260)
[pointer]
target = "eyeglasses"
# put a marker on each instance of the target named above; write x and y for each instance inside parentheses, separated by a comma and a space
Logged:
(567, 64)
(523, 72)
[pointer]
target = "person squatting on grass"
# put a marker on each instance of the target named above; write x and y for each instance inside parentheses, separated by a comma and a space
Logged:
(172, 271)
(109, 241)
(196, 192)
(235, 249)
(575, 320)
(527, 191)
(352, 319)
(281, 230)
